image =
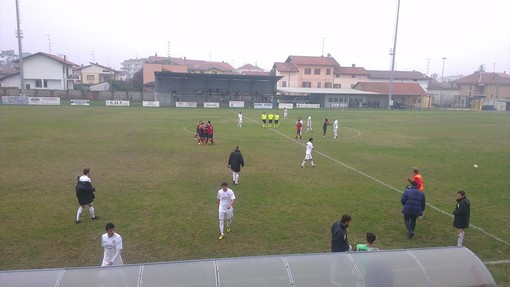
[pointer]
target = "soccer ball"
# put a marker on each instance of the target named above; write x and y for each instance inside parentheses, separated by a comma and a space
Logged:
(475, 166)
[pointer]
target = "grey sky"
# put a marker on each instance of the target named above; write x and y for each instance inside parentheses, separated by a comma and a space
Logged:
(467, 32)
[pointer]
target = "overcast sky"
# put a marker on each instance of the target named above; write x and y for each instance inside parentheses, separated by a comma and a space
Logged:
(466, 32)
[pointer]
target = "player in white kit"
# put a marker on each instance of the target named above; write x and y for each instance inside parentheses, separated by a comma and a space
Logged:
(308, 153)
(335, 129)
(225, 199)
(112, 244)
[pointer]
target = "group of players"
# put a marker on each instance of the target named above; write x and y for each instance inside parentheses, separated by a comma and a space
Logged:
(204, 133)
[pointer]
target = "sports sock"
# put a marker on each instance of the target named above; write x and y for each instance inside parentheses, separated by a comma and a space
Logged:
(221, 227)
(237, 178)
(80, 209)
(460, 238)
(234, 176)
(303, 163)
(91, 209)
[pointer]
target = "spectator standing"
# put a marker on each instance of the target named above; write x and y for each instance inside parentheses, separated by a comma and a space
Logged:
(339, 241)
(112, 244)
(413, 202)
(225, 199)
(235, 162)
(85, 194)
(461, 215)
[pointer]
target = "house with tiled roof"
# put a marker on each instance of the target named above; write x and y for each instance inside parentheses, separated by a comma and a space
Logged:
(94, 74)
(445, 95)
(42, 71)
(348, 77)
(250, 69)
(306, 72)
(411, 95)
(485, 85)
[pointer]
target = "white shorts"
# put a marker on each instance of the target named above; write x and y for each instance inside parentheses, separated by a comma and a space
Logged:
(308, 156)
(226, 215)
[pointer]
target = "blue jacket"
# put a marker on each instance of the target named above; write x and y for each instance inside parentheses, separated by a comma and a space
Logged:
(413, 201)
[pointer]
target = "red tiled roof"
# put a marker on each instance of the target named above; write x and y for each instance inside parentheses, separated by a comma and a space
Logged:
(250, 67)
(313, 61)
(397, 75)
(384, 88)
(352, 71)
(484, 78)
(285, 67)
(256, 73)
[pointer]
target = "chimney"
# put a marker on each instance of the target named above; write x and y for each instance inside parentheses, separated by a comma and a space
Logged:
(353, 65)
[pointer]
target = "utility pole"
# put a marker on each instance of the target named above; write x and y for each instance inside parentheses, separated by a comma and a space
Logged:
(441, 84)
(49, 42)
(392, 53)
(19, 35)
(323, 39)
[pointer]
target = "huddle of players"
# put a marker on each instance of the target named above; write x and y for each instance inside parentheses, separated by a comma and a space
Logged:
(269, 118)
(204, 133)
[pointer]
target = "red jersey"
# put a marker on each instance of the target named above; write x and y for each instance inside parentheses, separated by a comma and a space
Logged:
(298, 125)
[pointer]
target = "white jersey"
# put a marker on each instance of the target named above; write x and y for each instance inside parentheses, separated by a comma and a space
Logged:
(335, 125)
(309, 148)
(240, 116)
(225, 198)
(309, 121)
(85, 178)
(112, 248)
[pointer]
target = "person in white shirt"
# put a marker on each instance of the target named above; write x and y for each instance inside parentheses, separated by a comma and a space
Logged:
(285, 113)
(112, 244)
(335, 129)
(225, 199)
(240, 120)
(308, 153)
(309, 124)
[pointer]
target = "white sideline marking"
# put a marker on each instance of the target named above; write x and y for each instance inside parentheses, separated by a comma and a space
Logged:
(497, 262)
(388, 186)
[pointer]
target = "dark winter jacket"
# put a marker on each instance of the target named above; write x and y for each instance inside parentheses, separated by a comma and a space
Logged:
(461, 213)
(235, 160)
(84, 192)
(413, 201)
(339, 242)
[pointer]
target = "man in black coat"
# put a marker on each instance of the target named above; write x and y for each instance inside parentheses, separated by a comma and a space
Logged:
(461, 215)
(85, 194)
(339, 241)
(235, 162)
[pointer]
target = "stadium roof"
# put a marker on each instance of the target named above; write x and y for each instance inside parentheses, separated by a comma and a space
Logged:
(448, 266)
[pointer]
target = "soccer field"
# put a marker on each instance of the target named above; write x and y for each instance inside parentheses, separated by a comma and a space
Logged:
(158, 186)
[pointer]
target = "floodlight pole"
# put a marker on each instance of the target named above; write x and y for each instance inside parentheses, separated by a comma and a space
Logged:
(19, 35)
(441, 84)
(393, 52)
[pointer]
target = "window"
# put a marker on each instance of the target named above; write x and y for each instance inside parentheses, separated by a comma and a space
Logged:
(38, 83)
(319, 85)
(337, 86)
(284, 84)
(316, 71)
(90, 78)
(308, 71)
(328, 71)
(307, 84)
(353, 76)
(45, 83)
(327, 85)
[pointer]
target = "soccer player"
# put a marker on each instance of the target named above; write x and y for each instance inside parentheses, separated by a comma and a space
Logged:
(299, 128)
(225, 199)
(264, 118)
(309, 124)
(210, 130)
(325, 127)
(240, 120)
(205, 133)
(270, 118)
(308, 153)
(112, 244)
(235, 162)
(285, 113)
(335, 129)
(85, 194)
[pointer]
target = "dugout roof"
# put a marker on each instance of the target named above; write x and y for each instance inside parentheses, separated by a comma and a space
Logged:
(447, 266)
